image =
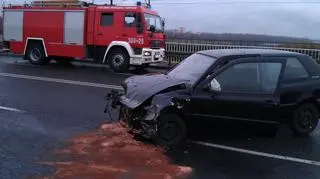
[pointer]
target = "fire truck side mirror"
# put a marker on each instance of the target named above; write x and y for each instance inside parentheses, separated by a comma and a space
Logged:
(152, 28)
(163, 23)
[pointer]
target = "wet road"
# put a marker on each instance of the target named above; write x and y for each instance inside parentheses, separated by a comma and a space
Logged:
(38, 116)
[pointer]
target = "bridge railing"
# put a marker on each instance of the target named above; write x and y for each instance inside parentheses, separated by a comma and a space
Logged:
(178, 51)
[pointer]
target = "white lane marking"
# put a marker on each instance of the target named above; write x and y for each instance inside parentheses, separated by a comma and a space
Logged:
(81, 64)
(263, 154)
(56, 80)
(11, 109)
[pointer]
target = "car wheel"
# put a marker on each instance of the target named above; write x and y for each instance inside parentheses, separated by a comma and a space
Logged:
(305, 119)
(35, 54)
(172, 130)
(119, 61)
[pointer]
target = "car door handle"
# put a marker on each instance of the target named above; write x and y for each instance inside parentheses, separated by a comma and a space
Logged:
(100, 33)
(124, 35)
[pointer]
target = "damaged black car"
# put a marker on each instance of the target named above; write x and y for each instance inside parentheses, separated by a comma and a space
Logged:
(250, 85)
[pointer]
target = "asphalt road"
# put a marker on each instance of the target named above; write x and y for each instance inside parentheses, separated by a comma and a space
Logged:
(38, 116)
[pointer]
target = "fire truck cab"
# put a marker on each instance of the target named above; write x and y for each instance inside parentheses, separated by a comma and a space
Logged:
(120, 36)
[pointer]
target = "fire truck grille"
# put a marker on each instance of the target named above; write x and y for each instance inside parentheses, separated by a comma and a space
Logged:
(156, 44)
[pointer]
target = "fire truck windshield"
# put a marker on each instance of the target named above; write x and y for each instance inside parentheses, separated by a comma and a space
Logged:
(153, 20)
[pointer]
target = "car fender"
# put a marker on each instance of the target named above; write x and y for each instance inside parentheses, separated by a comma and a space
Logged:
(309, 96)
(169, 103)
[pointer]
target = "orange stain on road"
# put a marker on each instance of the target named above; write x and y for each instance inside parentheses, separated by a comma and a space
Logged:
(112, 153)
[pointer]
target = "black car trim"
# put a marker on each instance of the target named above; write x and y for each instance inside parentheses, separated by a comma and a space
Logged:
(289, 104)
(233, 118)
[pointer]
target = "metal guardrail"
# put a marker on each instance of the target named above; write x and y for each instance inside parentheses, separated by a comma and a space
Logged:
(227, 42)
(178, 51)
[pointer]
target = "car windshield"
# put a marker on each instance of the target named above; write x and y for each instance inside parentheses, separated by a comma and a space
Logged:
(153, 20)
(192, 68)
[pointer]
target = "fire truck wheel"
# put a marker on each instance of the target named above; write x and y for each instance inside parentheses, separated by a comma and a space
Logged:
(35, 54)
(119, 60)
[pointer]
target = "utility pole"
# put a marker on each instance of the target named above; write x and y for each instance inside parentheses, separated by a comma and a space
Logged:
(111, 2)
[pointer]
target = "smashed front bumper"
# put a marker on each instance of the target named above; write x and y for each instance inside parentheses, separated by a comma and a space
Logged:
(141, 120)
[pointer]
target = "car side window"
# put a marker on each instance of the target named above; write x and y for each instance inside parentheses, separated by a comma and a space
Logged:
(294, 70)
(250, 77)
(270, 73)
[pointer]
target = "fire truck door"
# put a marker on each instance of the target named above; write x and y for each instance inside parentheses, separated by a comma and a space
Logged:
(130, 30)
(107, 28)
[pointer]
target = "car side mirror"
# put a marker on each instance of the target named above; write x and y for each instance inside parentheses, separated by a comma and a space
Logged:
(214, 86)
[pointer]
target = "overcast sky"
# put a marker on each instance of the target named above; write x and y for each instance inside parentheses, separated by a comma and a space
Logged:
(299, 18)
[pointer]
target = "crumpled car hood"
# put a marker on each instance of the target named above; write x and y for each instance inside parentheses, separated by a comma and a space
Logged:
(140, 88)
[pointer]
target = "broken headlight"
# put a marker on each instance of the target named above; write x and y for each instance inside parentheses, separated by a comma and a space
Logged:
(151, 112)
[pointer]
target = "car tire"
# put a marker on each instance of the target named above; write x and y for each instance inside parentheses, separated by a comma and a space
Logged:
(172, 130)
(35, 54)
(305, 119)
(119, 61)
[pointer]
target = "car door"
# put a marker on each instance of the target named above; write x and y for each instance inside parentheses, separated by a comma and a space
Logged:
(249, 92)
(295, 84)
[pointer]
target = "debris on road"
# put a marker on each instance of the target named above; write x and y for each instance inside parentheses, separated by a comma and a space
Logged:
(111, 152)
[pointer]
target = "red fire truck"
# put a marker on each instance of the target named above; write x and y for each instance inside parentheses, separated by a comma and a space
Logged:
(120, 36)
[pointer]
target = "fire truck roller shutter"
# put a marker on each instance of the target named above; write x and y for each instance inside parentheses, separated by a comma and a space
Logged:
(74, 27)
(118, 56)
(13, 25)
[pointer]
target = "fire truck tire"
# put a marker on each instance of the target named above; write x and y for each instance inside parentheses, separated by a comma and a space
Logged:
(35, 54)
(119, 60)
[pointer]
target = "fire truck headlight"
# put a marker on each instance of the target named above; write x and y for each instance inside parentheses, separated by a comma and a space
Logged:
(147, 53)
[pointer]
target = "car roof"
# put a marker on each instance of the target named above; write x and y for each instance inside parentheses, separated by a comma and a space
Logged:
(219, 53)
